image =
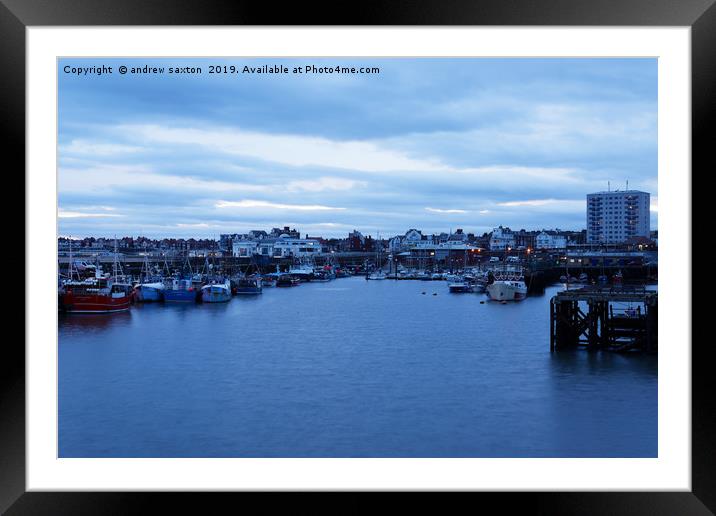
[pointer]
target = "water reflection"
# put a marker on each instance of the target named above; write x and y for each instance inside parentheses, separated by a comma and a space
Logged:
(348, 368)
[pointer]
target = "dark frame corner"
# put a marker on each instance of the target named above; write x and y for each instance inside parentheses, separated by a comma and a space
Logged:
(700, 15)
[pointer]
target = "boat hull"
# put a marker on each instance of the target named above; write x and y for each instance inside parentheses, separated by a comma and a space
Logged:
(506, 291)
(147, 294)
(247, 291)
(180, 296)
(215, 295)
(287, 282)
(94, 304)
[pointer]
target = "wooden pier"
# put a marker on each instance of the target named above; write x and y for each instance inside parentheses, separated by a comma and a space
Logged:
(602, 325)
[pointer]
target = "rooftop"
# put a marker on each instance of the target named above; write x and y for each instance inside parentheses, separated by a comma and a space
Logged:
(618, 192)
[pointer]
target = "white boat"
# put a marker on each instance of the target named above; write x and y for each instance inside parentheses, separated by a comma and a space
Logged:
(302, 271)
(216, 292)
(479, 287)
(459, 287)
(377, 275)
(507, 288)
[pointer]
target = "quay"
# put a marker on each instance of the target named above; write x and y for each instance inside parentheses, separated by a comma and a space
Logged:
(541, 269)
(601, 326)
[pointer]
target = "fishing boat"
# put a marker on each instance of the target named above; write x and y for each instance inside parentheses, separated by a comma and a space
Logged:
(149, 292)
(461, 287)
(93, 296)
(216, 292)
(249, 285)
(268, 280)
(377, 275)
(150, 287)
(423, 276)
(321, 276)
(286, 280)
(479, 286)
(507, 287)
(302, 271)
(180, 290)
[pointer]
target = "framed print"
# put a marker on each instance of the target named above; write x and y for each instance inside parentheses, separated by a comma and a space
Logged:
(420, 253)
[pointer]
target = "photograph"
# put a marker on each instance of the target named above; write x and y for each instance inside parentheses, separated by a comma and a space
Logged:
(357, 257)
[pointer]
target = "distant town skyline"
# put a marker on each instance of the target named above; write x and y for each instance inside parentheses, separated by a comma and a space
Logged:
(435, 144)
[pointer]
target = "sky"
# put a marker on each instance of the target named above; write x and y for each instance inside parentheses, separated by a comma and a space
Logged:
(434, 144)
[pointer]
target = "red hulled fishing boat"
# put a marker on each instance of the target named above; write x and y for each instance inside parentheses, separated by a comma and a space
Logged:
(94, 295)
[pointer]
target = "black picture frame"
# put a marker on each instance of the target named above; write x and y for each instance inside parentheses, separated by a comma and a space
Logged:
(700, 15)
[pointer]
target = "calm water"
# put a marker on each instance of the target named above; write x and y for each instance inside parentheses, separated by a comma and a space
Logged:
(349, 368)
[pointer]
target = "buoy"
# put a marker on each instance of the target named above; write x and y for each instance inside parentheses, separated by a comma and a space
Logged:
(435, 293)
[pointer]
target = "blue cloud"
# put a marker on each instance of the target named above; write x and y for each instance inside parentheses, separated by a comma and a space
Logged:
(477, 141)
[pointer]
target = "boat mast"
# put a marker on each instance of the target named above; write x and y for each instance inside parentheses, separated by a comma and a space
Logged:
(69, 269)
(114, 261)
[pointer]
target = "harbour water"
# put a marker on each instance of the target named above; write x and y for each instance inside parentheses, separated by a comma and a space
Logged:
(348, 368)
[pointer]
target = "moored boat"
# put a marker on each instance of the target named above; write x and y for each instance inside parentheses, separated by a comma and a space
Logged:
(149, 292)
(461, 287)
(287, 280)
(268, 280)
(216, 292)
(321, 276)
(249, 285)
(377, 275)
(93, 295)
(303, 272)
(507, 287)
(180, 290)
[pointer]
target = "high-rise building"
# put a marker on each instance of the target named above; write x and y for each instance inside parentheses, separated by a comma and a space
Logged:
(615, 217)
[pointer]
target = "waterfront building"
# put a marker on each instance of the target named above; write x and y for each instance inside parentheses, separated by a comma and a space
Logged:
(501, 239)
(395, 244)
(244, 248)
(226, 240)
(277, 232)
(525, 239)
(286, 246)
(356, 241)
(257, 234)
(454, 249)
(413, 238)
(615, 217)
(550, 240)
(458, 236)
(282, 247)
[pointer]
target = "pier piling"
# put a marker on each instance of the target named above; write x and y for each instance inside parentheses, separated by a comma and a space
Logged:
(600, 326)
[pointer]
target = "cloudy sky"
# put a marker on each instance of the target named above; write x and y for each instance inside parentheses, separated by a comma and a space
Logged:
(435, 144)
